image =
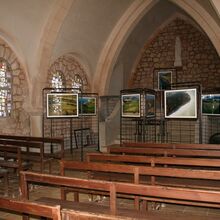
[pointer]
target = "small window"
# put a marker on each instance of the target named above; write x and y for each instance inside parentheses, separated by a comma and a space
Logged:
(5, 89)
(58, 80)
(77, 82)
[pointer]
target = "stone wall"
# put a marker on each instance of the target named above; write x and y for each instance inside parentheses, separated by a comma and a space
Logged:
(200, 62)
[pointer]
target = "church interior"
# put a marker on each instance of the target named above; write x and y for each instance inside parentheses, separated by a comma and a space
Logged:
(110, 109)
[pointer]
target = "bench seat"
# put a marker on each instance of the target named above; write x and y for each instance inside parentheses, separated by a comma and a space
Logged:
(86, 210)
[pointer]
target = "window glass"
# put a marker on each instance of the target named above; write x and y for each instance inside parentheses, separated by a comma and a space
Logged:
(5, 89)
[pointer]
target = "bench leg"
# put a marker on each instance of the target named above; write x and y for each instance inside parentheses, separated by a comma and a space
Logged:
(6, 183)
(25, 217)
(144, 205)
(50, 167)
(63, 194)
(137, 202)
(76, 196)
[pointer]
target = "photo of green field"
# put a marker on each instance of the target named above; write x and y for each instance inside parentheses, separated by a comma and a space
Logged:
(87, 105)
(62, 105)
(211, 104)
(131, 105)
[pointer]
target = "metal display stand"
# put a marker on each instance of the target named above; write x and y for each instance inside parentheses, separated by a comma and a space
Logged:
(67, 127)
(158, 128)
(142, 128)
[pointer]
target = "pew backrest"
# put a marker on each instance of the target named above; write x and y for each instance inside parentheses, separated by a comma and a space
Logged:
(165, 152)
(153, 161)
(172, 145)
(45, 140)
(33, 208)
(95, 170)
(201, 197)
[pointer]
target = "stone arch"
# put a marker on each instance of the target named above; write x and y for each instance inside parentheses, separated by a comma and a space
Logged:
(199, 60)
(155, 34)
(128, 21)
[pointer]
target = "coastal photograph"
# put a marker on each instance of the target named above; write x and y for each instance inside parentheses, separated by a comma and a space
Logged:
(180, 103)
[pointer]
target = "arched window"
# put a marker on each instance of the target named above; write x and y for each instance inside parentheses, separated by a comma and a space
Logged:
(77, 82)
(5, 89)
(57, 80)
(66, 72)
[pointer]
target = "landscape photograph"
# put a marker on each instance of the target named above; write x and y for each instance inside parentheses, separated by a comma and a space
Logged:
(131, 105)
(62, 105)
(87, 105)
(211, 104)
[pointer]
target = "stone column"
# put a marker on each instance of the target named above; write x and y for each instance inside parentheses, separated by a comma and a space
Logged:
(36, 124)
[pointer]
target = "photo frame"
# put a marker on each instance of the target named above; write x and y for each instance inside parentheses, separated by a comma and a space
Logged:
(180, 103)
(62, 105)
(164, 78)
(130, 104)
(211, 104)
(150, 105)
(87, 105)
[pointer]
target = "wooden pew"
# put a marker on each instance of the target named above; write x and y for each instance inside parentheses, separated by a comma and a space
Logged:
(183, 162)
(164, 152)
(11, 158)
(33, 208)
(141, 174)
(172, 145)
(45, 140)
(30, 151)
(69, 209)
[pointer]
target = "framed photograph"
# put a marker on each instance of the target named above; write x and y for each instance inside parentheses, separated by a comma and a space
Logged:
(62, 105)
(130, 105)
(211, 104)
(164, 79)
(87, 105)
(150, 105)
(180, 103)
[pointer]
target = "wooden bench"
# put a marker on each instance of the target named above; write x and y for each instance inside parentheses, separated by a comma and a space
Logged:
(207, 163)
(33, 208)
(208, 179)
(11, 158)
(171, 145)
(45, 140)
(30, 151)
(196, 197)
(164, 152)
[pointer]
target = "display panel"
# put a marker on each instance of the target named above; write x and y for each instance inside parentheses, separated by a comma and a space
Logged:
(180, 103)
(150, 105)
(130, 105)
(62, 105)
(164, 79)
(87, 105)
(211, 104)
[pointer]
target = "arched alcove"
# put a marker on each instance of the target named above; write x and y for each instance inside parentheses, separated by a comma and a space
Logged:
(128, 22)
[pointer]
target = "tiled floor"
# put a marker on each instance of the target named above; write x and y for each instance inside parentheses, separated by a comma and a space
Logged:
(38, 192)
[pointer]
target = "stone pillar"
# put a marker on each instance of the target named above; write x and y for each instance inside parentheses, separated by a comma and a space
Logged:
(36, 124)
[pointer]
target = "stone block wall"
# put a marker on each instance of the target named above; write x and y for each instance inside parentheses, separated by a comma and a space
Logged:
(200, 61)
